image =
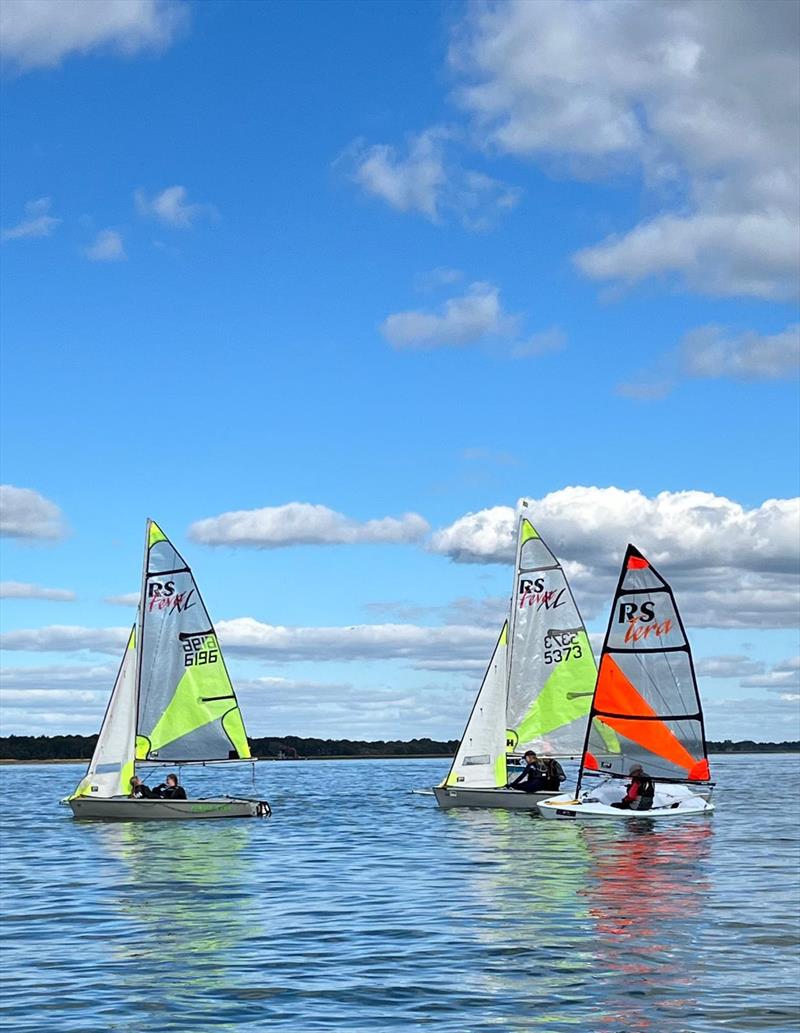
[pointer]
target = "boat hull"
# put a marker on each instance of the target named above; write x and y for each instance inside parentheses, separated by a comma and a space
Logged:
(509, 799)
(567, 808)
(124, 808)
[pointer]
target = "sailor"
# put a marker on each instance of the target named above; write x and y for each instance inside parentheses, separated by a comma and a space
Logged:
(553, 775)
(531, 780)
(170, 790)
(140, 790)
(640, 791)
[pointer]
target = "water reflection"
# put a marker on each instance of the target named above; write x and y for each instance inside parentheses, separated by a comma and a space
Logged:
(647, 894)
(185, 897)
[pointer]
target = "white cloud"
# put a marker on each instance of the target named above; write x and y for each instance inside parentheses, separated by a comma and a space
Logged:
(429, 181)
(727, 666)
(247, 637)
(441, 276)
(106, 247)
(472, 317)
(59, 676)
(24, 513)
(21, 590)
(710, 352)
(66, 638)
(171, 207)
(730, 566)
(38, 221)
(41, 33)
(301, 523)
(126, 599)
(701, 98)
(783, 677)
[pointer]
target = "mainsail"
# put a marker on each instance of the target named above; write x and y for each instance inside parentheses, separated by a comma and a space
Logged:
(646, 707)
(187, 709)
(173, 700)
(111, 767)
(480, 762)
(552, 670)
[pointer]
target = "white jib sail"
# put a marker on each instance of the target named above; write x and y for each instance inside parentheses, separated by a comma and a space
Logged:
(111, 767)
(480, 762)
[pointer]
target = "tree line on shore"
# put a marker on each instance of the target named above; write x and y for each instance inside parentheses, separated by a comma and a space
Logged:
(290, 747)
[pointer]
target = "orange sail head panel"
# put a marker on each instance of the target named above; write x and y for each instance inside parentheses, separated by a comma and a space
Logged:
(615, 695)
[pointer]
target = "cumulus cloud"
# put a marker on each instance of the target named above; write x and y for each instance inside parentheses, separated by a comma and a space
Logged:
(41, 33)
(472, 317)
(730, 566)
(727, 666)
(22, 590)
(24, 513)
(38, 222)
(426, 179)
(301, 523)
(59, 677)
(172, 208)
(106, 247)
(711, 352)
(700, 98)
(247, 637)
(782, 677)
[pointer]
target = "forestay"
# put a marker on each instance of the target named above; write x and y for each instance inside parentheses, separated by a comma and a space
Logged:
(551, 666)
(111, 767)
(187, 709)
(480, 762)
(646, 708)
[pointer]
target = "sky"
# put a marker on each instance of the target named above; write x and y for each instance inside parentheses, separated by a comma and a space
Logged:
(327, 288)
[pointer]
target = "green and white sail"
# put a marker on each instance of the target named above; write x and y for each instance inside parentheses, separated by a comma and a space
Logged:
(173, 701)
(187, 709)
(111, 767)
(551, 668)
(480, 762)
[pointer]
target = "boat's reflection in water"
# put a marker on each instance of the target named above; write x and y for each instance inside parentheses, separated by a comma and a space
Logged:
(187, 895)
(593, 926)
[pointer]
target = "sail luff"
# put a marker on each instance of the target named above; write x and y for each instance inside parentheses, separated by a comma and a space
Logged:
(140, 629)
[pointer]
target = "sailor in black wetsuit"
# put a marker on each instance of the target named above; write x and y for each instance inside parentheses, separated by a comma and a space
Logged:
(170, 790)
(140, 790)
(532, 778)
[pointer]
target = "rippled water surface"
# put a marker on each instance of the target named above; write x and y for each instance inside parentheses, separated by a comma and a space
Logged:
(359, 906)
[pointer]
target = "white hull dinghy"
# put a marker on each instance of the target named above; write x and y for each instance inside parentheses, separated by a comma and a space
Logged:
(537, 689)
(646, 720)
(172, 703)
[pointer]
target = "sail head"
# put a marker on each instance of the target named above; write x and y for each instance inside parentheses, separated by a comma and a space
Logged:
(646, 707)
(187, 706)
(551, 667)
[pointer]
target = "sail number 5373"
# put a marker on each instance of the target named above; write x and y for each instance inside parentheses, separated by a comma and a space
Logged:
(560, 646)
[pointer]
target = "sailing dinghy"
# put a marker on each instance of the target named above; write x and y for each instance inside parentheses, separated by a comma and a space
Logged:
(645, 710)
(537, 689)
(172, 702)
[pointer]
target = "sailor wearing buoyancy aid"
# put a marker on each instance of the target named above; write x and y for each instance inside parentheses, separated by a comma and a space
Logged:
(641, 791)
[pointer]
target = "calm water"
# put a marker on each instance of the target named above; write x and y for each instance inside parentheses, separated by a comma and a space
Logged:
(358, 906)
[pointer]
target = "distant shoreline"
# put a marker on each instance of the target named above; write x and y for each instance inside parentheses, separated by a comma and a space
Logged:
(10, 762)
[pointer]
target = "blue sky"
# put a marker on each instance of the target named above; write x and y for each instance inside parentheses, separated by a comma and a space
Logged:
(391, 259)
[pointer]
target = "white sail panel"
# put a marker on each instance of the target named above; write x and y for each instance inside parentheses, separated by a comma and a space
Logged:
(111, 767)
(552, 669)
(480, 762)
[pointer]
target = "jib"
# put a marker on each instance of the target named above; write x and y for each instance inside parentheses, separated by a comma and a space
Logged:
(632, 612)
(158, 590)
(526, 585)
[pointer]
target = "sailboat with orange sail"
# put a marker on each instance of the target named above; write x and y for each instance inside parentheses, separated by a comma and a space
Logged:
(646, 712)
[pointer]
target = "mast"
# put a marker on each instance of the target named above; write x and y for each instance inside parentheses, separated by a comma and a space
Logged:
(512, 614)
